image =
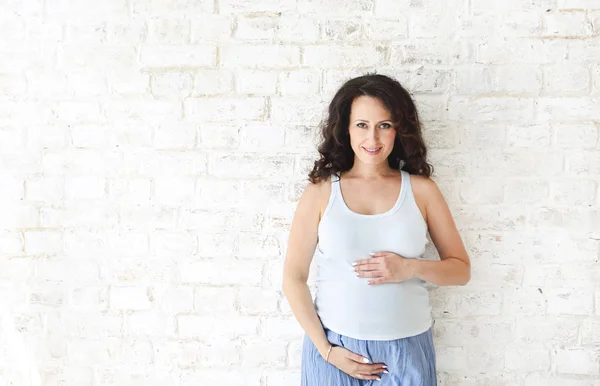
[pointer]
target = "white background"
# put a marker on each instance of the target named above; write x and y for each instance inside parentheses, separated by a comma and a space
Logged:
(152, 154)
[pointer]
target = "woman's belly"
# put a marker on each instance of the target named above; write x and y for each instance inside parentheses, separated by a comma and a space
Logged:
(351, 307)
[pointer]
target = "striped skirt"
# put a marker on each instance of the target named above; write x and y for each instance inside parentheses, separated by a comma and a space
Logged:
(410, 361)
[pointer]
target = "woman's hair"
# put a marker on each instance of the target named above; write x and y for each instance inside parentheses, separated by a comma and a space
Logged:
(336, 154)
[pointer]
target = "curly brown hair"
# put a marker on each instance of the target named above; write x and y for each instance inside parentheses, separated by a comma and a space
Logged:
(336, 154)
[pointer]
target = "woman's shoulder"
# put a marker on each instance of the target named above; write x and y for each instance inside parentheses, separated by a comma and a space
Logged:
(425, 191)
(419, 179)
(319, 192)
(423, 185)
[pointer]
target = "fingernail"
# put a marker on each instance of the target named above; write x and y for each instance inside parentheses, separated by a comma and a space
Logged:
(371, 253)
(386, 372)
(365, 360)
(384, 366)
(379, 379)
(353, 264)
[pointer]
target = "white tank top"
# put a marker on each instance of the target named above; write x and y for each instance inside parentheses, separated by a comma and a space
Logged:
(345, 303)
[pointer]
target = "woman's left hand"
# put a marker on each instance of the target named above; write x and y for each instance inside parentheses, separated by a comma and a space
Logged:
(385, 267)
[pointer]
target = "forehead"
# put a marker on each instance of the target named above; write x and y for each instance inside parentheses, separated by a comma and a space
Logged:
(367, 107)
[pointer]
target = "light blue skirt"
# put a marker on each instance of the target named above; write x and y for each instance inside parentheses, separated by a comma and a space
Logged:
(410, 361)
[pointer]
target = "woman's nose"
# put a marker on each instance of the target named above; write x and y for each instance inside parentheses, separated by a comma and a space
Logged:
(373, 133)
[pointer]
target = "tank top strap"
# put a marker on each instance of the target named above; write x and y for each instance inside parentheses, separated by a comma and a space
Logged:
(335, 185)
(335, 189)
(408, 191)
(406, 179)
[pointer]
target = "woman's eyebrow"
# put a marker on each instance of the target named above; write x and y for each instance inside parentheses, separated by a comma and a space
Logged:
(366, 120)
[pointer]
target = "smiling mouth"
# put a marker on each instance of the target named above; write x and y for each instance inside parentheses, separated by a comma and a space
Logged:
(372, 151)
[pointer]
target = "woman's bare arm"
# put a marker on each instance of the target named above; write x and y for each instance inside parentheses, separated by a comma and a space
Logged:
(300, 250)
(455, 266)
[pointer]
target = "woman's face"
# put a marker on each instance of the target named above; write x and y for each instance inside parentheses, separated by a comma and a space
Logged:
(371, 131)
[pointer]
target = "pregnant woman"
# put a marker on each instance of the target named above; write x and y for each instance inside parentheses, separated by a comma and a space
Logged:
(365, 214)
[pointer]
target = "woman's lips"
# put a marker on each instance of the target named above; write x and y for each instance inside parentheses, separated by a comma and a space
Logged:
(372, 151)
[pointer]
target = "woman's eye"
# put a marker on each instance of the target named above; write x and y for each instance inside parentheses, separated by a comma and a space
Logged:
(386, 126)
(361, 125)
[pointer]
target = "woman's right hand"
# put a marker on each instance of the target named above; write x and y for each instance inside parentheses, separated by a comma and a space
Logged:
(355, 365)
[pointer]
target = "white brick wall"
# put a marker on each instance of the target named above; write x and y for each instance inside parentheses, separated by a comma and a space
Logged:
(152, 153)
